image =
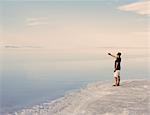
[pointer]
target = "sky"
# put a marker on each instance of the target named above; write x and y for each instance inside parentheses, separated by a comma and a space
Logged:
(59, 24)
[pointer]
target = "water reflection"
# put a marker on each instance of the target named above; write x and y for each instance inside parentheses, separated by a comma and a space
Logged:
(32, 76)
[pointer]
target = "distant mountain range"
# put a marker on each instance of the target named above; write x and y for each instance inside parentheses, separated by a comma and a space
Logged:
(18, 46)
(9, 46)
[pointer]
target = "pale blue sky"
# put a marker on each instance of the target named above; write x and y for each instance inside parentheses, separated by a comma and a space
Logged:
(71, 24)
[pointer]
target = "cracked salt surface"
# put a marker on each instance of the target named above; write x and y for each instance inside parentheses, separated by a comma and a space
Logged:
(131, 98)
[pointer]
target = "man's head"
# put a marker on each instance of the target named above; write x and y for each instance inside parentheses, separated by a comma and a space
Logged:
(118, 54)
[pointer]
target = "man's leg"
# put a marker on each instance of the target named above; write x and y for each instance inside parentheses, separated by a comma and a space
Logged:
(115, 82)
(118, 81)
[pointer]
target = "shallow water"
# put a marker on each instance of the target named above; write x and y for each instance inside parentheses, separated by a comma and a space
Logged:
(32, 76)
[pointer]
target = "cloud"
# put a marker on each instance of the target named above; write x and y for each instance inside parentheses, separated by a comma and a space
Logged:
(37, 21)
(141, 7)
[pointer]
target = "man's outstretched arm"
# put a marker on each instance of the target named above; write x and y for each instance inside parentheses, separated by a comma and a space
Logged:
(112, 55)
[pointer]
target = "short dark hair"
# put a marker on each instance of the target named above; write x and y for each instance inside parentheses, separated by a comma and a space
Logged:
(119, 53)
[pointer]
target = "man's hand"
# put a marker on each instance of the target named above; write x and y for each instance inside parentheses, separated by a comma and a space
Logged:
(109, 53)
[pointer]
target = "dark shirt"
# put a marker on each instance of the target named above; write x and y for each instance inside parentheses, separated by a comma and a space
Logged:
(117, 63)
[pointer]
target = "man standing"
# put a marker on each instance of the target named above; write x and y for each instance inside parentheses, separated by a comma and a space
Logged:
(117, 68)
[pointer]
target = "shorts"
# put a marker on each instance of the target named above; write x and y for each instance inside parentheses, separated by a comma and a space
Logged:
(117, 73)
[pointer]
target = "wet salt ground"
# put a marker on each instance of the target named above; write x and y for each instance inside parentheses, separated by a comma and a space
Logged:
(131, 98)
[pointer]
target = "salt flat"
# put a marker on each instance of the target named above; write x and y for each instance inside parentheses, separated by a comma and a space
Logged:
(131, 98)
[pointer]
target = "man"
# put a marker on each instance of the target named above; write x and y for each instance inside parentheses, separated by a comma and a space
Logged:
(117, 68)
